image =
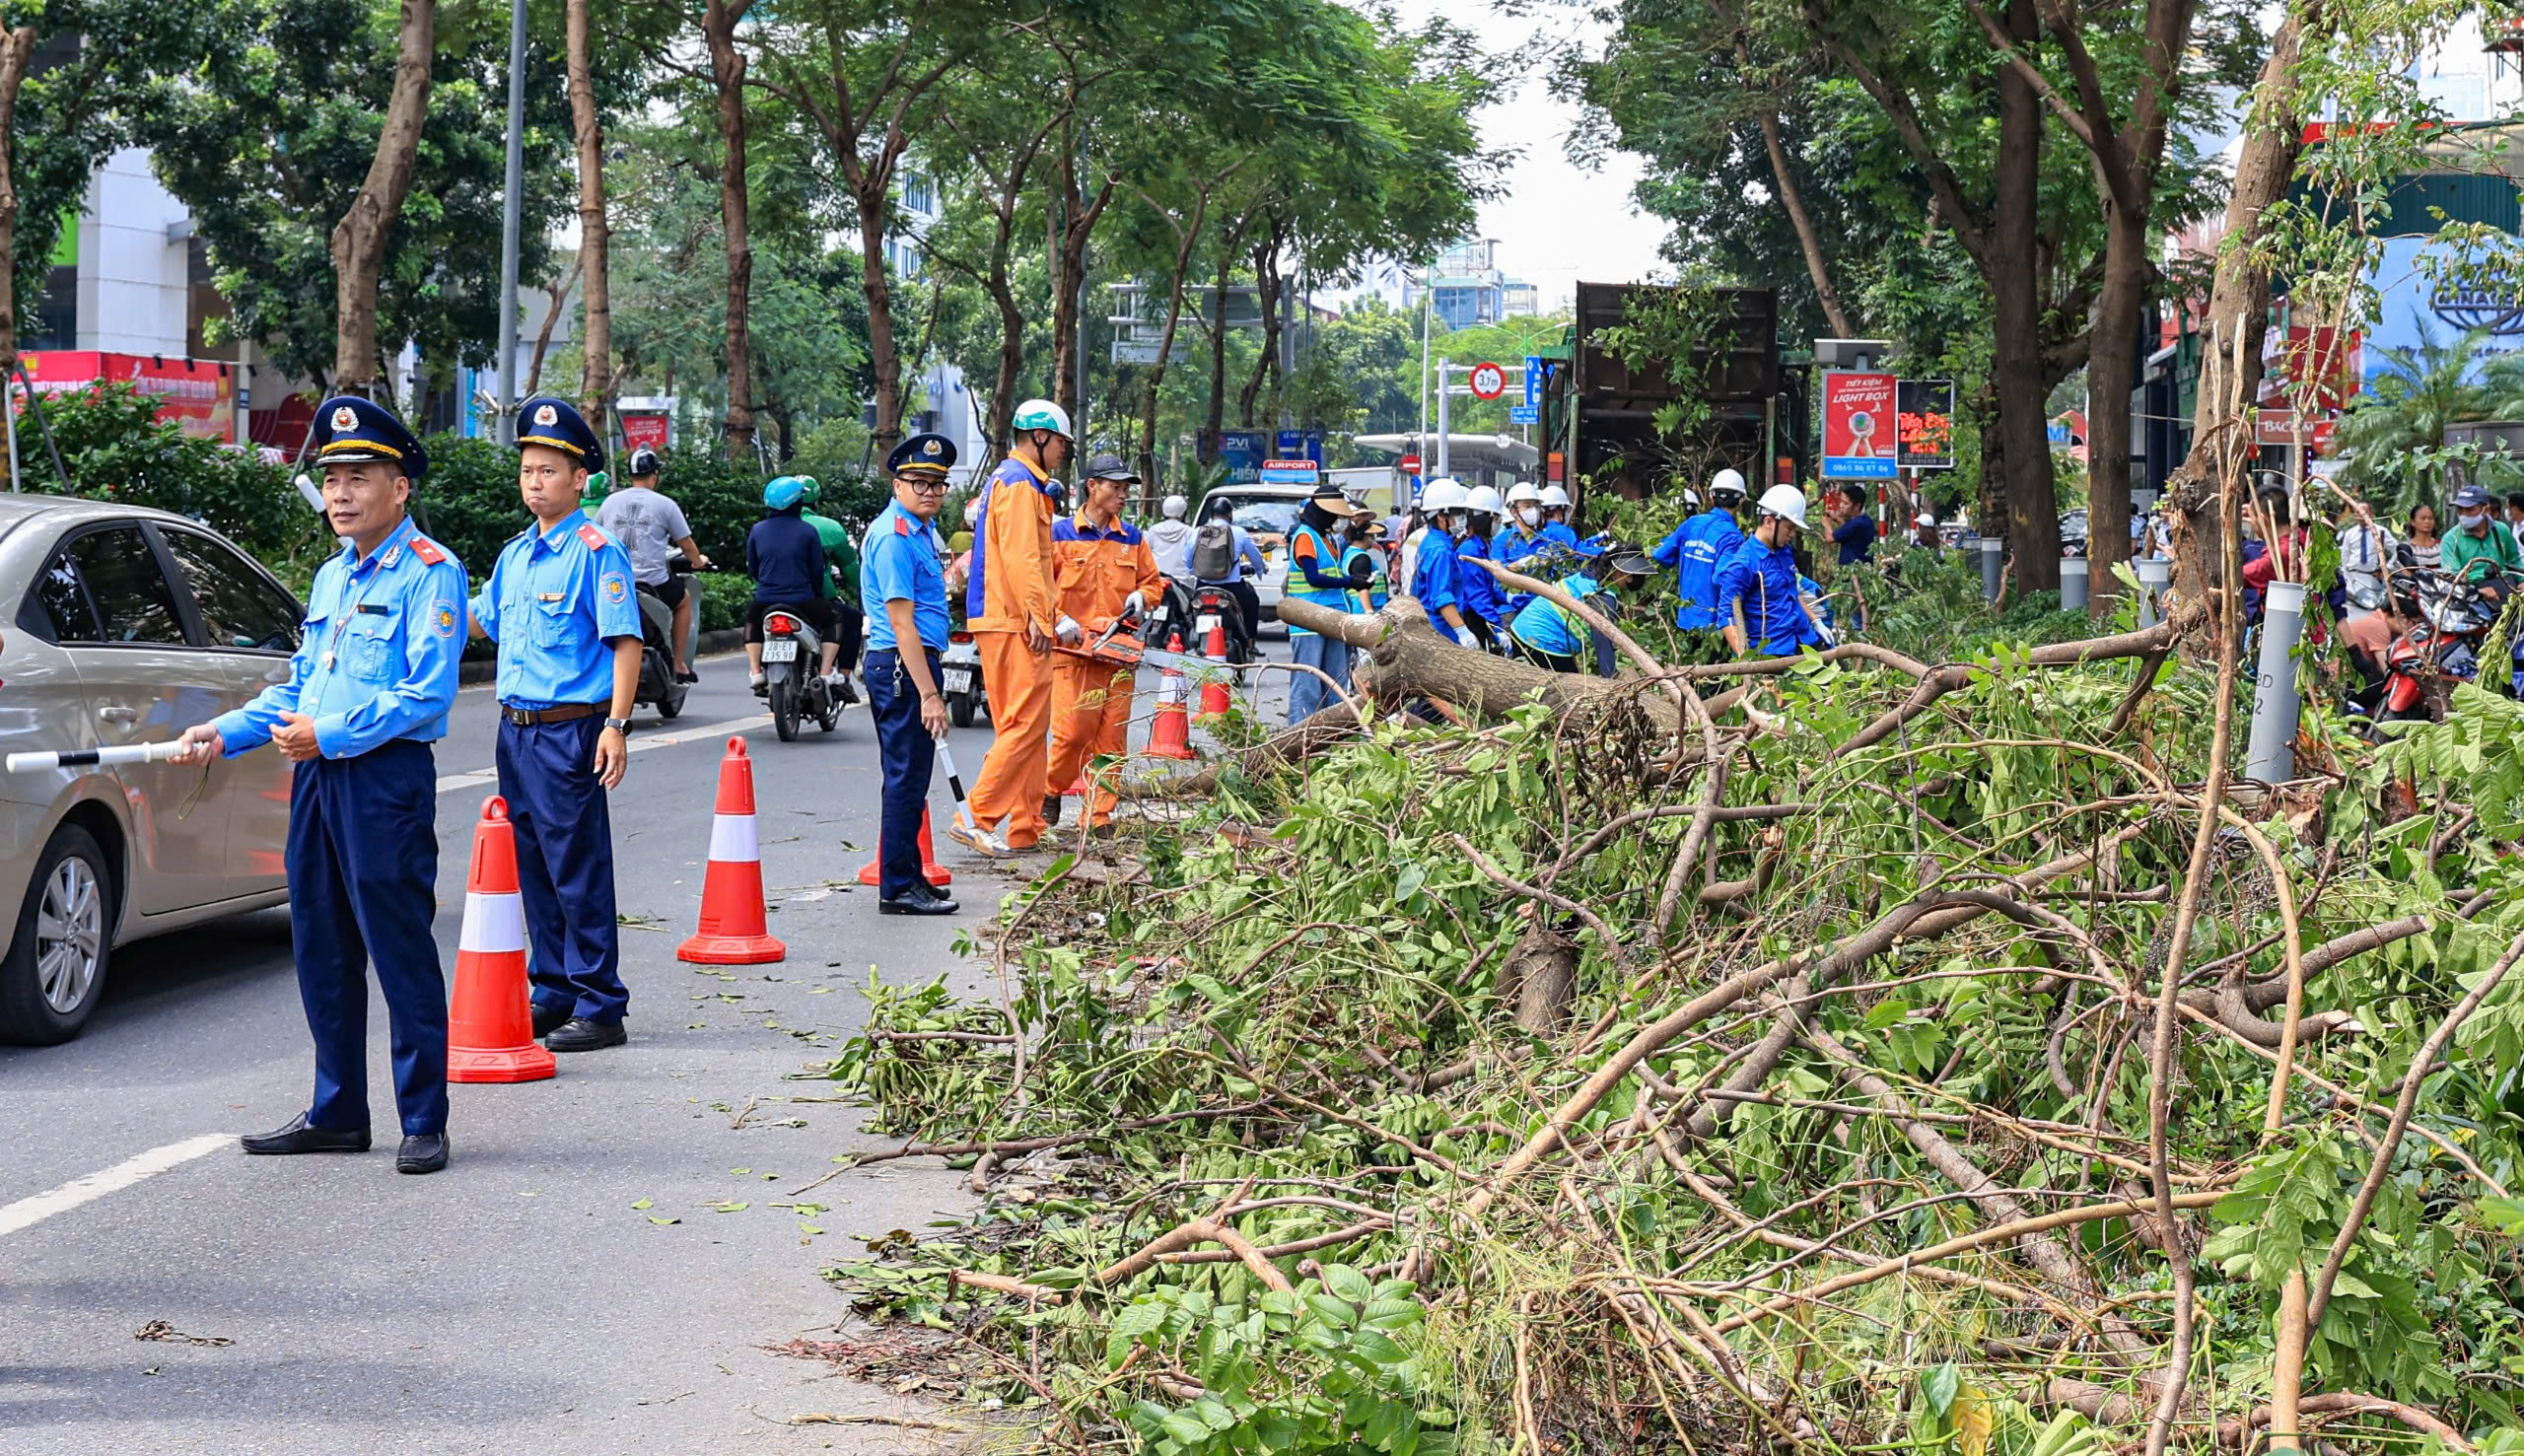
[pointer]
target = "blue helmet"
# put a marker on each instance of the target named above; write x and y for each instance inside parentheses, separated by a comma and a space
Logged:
(783, 492)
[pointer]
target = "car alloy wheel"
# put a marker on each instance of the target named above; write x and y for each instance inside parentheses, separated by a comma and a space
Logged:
(70, 934)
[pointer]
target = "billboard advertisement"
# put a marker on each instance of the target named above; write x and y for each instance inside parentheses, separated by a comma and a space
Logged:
(644, 431)
(1925, 426)
(2431, 293)
(1242, 453)
(1860, 433)
(197, 394)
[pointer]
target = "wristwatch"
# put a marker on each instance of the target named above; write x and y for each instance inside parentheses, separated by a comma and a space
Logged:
(618, 725)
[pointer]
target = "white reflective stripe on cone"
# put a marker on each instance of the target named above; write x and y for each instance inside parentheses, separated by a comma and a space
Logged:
(493, 923)
(731, 838)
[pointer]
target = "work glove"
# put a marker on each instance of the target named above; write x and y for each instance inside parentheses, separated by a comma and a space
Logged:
(1066, 630)
(1134, 606)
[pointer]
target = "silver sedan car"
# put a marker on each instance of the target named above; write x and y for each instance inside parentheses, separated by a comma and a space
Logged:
(130, 626)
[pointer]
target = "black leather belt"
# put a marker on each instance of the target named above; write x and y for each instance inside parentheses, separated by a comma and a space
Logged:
(565, 713)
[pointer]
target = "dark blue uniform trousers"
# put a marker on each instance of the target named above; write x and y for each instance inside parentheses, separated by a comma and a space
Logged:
(363, 876)
(564, 866)
(907, 753)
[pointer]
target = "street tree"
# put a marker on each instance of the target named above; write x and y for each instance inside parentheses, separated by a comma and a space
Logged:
(359, 241)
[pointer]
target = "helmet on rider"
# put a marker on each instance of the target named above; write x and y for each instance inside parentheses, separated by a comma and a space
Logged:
(784, 492)
(811, 489)
(1174, 506)
(1785, 502)
(1726, 487)
(643, 465)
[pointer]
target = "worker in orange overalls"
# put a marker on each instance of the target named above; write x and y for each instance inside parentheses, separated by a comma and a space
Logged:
(1102, 572)
(1009, 609)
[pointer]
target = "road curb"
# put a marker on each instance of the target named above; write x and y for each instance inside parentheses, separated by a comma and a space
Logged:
(725, 639)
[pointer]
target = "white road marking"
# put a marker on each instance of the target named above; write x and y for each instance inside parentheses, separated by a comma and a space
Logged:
(28, 1211)
(449, 782)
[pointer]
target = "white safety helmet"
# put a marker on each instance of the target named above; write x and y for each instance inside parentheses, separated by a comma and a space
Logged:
(1445, 493)
(1554, 498)
(1726, 483)
(1523, 491)
(1174, 506)
(1043, 414)
(1785, 502)
(1484, 501)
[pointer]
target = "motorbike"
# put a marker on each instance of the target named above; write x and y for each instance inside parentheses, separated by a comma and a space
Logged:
(960, 674)
(658, 685)
(791, 651)
(1215, 606)
(2442, 647)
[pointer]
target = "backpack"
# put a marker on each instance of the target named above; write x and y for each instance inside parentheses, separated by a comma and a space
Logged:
(1213, 552)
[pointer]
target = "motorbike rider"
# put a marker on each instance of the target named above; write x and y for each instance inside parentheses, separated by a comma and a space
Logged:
(1170, 540)
(1696, 549)
(1243, 556)
(2478, 548)
(1759, 601)
(1485, 606)
(1320, 573)
(841, 556)
(646, 520)
(785, 559)
(1435, 569)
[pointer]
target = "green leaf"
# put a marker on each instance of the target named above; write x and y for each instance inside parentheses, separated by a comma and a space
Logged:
(1938, 1385)
(1349, 1283)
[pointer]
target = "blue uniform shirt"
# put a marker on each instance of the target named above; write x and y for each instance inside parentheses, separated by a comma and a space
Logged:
(903, 560)
(1557, 533)
(1696, 549)
(1546, 626)
(1434, 576)
(1764, 579)
(378, 659)
(554, 602)
(1477, 588)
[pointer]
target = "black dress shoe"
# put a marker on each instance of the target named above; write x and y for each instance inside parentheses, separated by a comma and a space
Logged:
(423, 1152)
(549, 1019)
(1051, 808)
(297, 1136)
(579, 1034)
(922, 900)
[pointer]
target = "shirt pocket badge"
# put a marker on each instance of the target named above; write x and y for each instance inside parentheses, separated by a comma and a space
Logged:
(368, 645)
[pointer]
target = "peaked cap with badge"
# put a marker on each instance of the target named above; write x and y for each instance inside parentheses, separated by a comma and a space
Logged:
(556, 424)
(349, 429)
(928, 453)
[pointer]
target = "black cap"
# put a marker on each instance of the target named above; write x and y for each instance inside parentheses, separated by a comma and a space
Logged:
(556, 424)
(349, 429)
(1110, 467)
(923, 453)
(643, 463)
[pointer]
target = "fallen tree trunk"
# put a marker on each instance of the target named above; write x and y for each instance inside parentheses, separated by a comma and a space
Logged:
(1411, 660)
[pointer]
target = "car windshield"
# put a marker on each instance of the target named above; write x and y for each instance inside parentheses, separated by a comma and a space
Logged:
(1271, 517)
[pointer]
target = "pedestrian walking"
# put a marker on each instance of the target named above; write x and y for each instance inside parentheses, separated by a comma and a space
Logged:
(902, 577)
(1103, 571)
(1322, 572)
(558, 602)
(648, 523)
(1009, 610)
(368, 693)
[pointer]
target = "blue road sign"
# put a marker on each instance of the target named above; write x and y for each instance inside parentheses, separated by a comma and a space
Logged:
(1533, 383)
(1524, 414)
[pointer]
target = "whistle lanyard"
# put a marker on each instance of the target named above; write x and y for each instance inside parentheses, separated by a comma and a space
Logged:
(343, 619)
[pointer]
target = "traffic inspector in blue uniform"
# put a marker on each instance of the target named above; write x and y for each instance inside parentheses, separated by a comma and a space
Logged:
(559, 605)
(1696, 549)
(902, 590)
(368, 693)
(1759, 604)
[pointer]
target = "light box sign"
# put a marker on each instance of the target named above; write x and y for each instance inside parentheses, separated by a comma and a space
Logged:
(1924, 424)
(1860, 434)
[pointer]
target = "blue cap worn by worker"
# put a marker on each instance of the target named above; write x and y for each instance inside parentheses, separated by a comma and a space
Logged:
(349, 429)
(926, 454)
(556, 424)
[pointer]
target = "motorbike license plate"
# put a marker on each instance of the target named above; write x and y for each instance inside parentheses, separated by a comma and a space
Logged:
(959, 679)
(777, 651)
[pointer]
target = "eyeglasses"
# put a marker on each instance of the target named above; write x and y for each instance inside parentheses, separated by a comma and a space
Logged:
(922, 487)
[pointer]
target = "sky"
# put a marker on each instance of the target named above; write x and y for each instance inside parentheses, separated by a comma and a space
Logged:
(1556, 223)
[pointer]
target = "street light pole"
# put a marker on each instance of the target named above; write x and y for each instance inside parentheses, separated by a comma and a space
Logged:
(512, 218)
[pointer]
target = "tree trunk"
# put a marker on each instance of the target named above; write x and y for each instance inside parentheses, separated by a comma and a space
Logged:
(2033, 519)
(872, 192)
(595, 375)
(728, 72)
(358, 244)
(1067, 258)
(1155, 375)
(2238, 308)
(1807, 239)
(1217, 423)
(2113, 348)
(556, 293)
(17, 49)
(1266, 286)
(1406, 658)
(1012, 357)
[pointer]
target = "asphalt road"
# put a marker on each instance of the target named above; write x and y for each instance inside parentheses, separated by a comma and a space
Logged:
(568, 1284)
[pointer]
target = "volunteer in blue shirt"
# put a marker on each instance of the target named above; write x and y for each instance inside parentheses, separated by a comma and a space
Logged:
(1519, 537)
(1319, 574)
(559, 605)
(1761, 611)
(368, 693)
(1485, 606)
(1556, 505)
(902, 587)
(1435, 570)
(1554, 638)
(1696, 548)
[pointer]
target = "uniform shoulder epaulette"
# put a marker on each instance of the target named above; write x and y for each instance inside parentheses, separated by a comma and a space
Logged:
(429, 551)
(594, 535)
(902, 526)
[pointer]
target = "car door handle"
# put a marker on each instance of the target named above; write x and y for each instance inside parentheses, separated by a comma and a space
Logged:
(118, 715)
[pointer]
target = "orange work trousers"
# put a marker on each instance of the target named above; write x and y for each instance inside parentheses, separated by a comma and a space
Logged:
(1019, 686)
(1091, 719)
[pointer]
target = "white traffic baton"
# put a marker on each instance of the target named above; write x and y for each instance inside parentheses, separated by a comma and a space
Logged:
(111, 757)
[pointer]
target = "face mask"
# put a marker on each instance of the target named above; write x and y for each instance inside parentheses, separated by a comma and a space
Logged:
(1528, 514)
(2471, 519)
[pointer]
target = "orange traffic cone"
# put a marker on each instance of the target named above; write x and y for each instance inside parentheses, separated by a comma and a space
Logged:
(1170, 733)
(1214, 699)
(930, 870)
(490, 1025)
(733, 930)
